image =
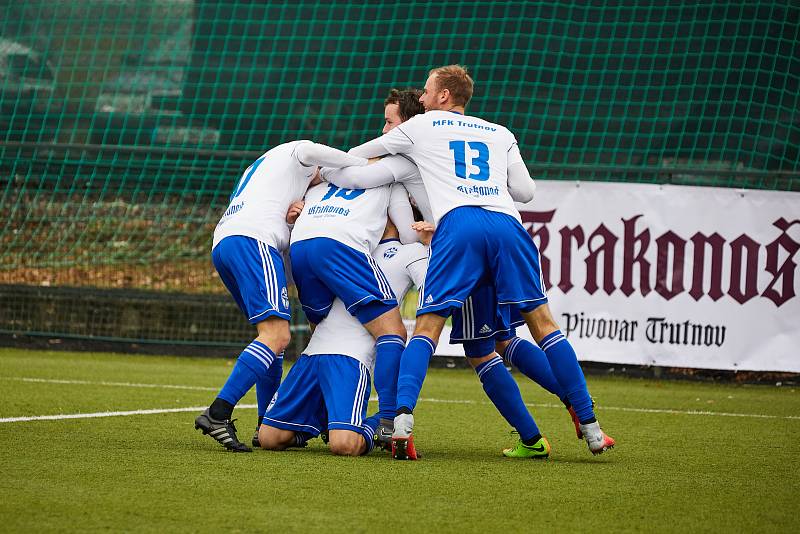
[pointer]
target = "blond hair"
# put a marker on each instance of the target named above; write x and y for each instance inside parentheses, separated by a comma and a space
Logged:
(455, 79)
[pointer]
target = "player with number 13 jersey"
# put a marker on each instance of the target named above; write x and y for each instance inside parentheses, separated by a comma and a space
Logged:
(463, 160)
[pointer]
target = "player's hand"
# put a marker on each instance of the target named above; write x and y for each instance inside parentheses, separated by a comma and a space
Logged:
(317, 178)
(425, 231)
(294, 211)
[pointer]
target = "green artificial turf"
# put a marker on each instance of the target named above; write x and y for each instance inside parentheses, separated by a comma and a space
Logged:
(676, 467)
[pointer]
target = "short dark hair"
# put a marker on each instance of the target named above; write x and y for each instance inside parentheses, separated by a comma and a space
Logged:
(455, 79)
(407, 101)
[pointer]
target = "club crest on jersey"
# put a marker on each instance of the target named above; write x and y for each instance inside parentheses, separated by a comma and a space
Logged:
(390, 252)
(284, 297)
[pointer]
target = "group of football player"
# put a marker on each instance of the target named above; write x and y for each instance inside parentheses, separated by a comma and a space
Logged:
(342, 228)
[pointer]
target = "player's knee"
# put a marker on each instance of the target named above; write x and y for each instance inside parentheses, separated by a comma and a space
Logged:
(402, 333)
(389, 322)
(274, 439)
(540, 321)
(346, 443)
(276, 336)
(501, 346)
(476, 361)
(429, 325)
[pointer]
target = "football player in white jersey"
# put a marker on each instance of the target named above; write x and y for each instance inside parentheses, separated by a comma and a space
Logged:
(483, 322)
(327, 389)
(247, 253)
(331, 246)
(468, 166)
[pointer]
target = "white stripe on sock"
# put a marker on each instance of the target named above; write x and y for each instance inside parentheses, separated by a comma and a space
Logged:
(491, 363)
(553, 341)
(425, 340)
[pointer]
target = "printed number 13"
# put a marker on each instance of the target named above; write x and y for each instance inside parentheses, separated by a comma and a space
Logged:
(481, 160)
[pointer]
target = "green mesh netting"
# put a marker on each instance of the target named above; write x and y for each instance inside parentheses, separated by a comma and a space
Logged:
(125, 124)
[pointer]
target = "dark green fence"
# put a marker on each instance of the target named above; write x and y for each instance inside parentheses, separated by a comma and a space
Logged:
(125, 124)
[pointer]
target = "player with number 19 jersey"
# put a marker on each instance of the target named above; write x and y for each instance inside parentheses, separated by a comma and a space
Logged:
(354, 217)
(329, 385)
(332, 243)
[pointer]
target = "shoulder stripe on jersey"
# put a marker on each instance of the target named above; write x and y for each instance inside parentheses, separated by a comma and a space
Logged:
(402, 132)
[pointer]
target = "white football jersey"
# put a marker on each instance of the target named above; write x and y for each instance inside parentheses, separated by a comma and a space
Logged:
(341, 333)
(262, 196)
(406, 172)
(463, 160)
(354, 217)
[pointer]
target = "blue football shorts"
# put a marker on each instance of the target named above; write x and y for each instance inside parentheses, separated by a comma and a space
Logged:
(473, 246)
(481, 321)
(254, 274)
(324, 390)
(324, 269)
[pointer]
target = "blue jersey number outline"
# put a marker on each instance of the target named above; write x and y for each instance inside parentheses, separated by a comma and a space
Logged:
(481, 160)
(248, 173)
(347, 194)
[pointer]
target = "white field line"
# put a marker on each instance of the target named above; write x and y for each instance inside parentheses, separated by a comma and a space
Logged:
(107, 414)
(118, 384)
(423, 399)
(627, 409)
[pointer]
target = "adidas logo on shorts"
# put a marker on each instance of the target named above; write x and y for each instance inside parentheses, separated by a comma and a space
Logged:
(484, 329)
(429, 299)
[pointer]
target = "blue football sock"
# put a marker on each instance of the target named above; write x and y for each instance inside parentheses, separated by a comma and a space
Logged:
(368, 427)
(504, 393)
(252, 365)
(532, 362)
(268, 385)
(569, 374)
(389, 350)
(413, 368)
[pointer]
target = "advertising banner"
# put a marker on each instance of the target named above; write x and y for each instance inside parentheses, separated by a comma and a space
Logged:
(674, 276)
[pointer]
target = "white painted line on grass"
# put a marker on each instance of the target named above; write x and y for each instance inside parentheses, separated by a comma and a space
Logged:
(423, 399)
(101, 383)
(626, 409)
(108, 414)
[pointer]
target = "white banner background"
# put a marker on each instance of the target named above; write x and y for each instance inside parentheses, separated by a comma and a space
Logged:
(758, 334)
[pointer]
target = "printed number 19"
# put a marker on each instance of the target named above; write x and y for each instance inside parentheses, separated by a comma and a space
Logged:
(481, 160)
(347, 194)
